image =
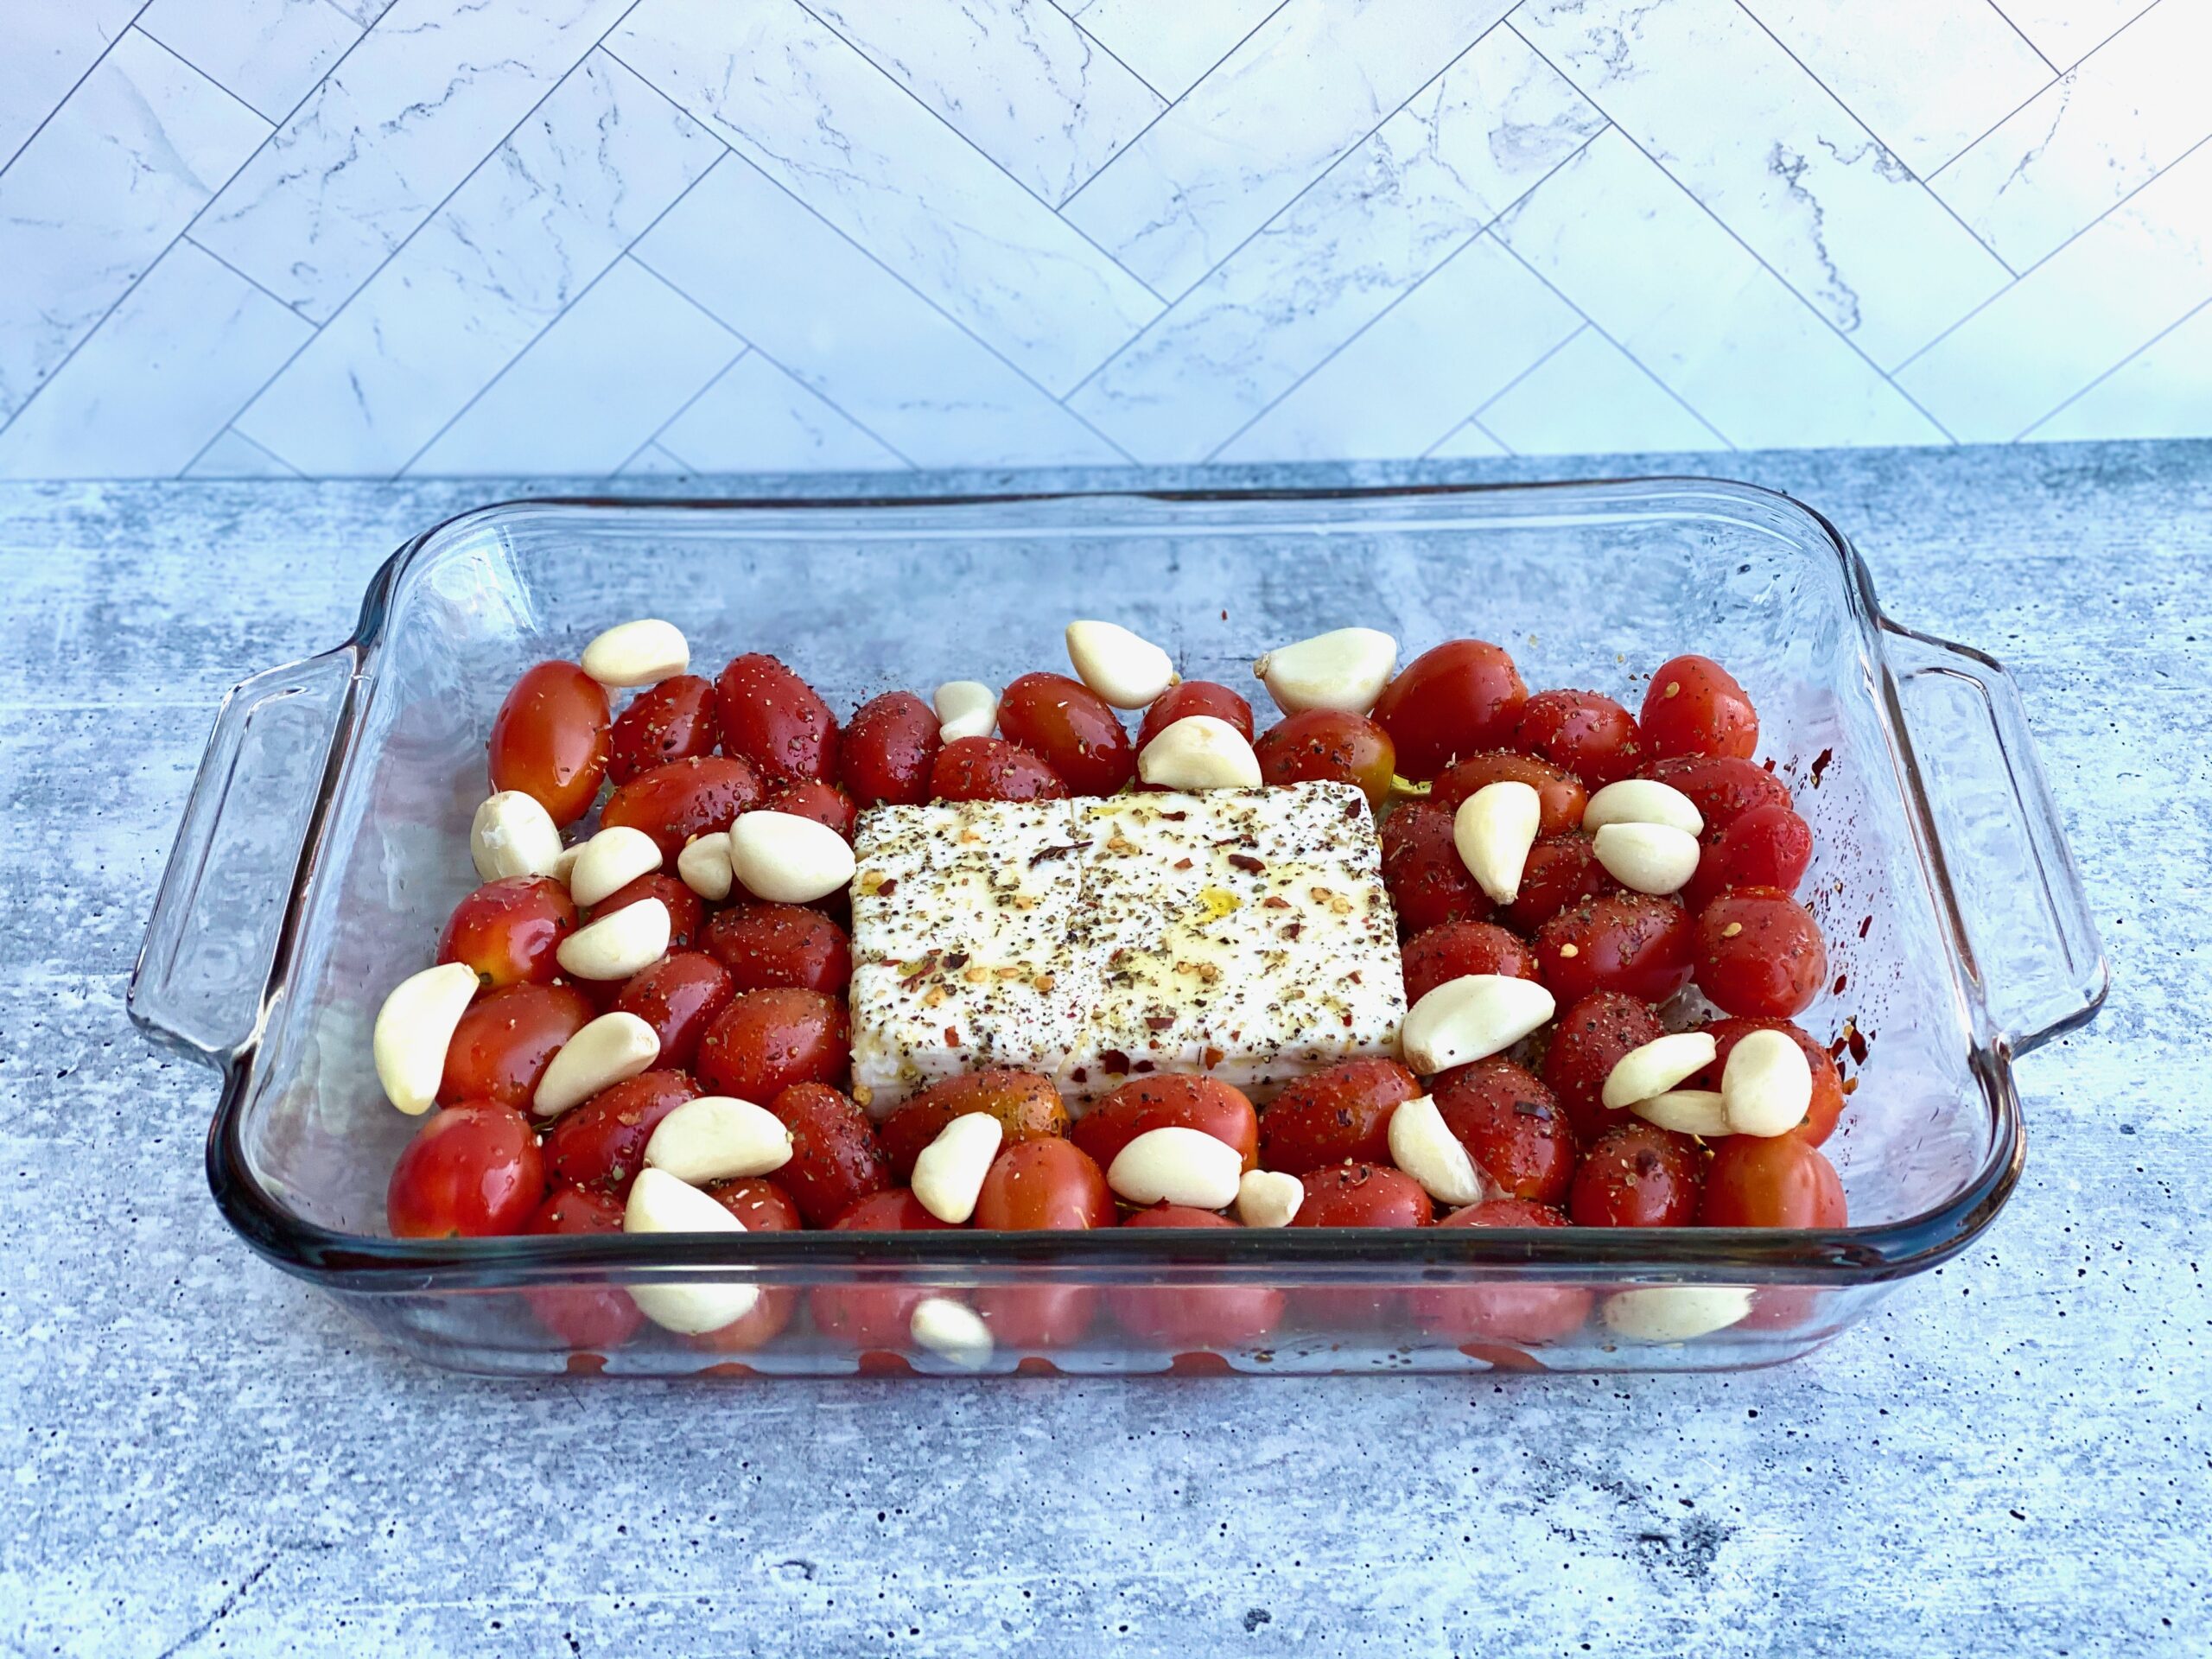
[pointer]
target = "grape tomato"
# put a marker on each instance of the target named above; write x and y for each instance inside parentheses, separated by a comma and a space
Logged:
(549, 739)
(1451, 700)
(1328, 745)
(775, 721)
(673, 721)
(1694, 706)
(1190, 699)
(1071, 728)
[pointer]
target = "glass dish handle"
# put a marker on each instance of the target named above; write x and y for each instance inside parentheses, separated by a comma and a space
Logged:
(2029, 929)
(203, 971)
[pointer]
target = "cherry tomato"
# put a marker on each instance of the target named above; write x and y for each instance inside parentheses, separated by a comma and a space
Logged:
(678, 997)
(1759, 954)
(1071, 728)
(1325, 746)
(1044, 1185)
(836, 1159)
(1637, 1175)
(1451, 700)
(1363, 1195)
(1428, 880)
(1627, 942)
(549, 739)
(509, 930)
(762, 1207)
(506, 1041)
(1828, 1082)
(888, 749)
(1037, 1316)
(1025, 1103)
(875, 1317)
(1560, 794)
(1143, 1104)
(685, 799)
(1722, 788)
(1767, 847)
(1782, 1181)
(1695, 706)
(809, 798)
(673, 721)
(764, 946)
(1338, 1115)
(1193, 1316)
(1510, 1311)
(686, 911)
(1512, 1127)
(774, 720)
(1192, 698)
(992, 769)
(1588, 1041)
(758, 1202)
(764, 1041)
(592, 1318)
(1590, 735)
(601, 1144)
(1458, 948)
(471, 1170)
(1559, 872)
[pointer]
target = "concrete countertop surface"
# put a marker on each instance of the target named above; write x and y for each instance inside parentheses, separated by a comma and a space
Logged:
(200, 1454)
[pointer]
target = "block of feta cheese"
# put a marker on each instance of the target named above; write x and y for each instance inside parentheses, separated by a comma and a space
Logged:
(1242, 934)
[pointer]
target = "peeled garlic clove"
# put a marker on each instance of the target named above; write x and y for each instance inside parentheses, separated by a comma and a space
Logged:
(610, 861)
(1345, 669)
(1470, 1019)
(1654, 858)
(704, 866)
(1654, 1067)
(661, 1202)
(1494, 829)
(719, 1138)
(1686, 1111)
(966, 708)
(512, 835)
(608, 1050)
(644, 652)
(1422, 1145)
(1198, 752)
(1643, 800)
(1676, 1313)
(1125, 670)
(619, 944)
(786, 859)
(414, 1029)
(1267, 1197)
(948, 1175)
(1177, 1165)
(1766, 1087)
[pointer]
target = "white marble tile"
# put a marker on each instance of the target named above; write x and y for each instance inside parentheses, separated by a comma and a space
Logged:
(163, 373)
(232, 456)
(1306, 86)
(1590, 397)
(845, 327)
(1926, 77)
(1016, 78)
(268, 53)
(811, 113)
(1466, 441)
(1710, 95)
(1628, 245)
(1418, 370)
(757, 419)
(627, 354)
(364, 12)
(140, 146)
(2165, 390)
(2134, 105)
(653, 462)
(1172, 43)
(1464, 146)
(545, 215)
(2099, 299)
(2066, 31)
(416, 104)
(45, 49)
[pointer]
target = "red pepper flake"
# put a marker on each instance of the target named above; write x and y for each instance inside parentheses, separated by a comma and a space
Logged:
(1173, 818)
(1836, 990)
(952, 1036)
(1159, 1022)
(1864, 923)
(889, 882)
(1821, 762)
(1274, 901)
(1212, 1057)
(1291, 930)
(1858, 1046)
(1246, 861)
(1114, 1063)
(1142, 1067)
(1182, 863)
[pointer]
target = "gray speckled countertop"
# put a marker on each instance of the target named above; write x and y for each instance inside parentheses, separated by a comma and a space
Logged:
(198, 1455)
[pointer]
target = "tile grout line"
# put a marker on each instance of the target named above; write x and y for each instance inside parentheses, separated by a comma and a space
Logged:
(188, 237)
(170, 51)
(242, 438)
(2022, 32)
(2076, 397)
(1549, 352)
(1165, 102)
(1475, 421)
(65, 98)
(657, 436)
(2057, 76)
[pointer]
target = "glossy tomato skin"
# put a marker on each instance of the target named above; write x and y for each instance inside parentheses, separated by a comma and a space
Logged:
(1047, 1184)
(992, 769)
(774, 720)
(1451, 700)
(1211, 1315)
(1510, 1125)
(1827, 1104)
(599, 1145)
(1559, 874)
(1590, 735)
(1143, 1104)
(588, 1318)
(1428, 881)
(765, 1042)
(549, 739)
(809, 798)
(509, 930)
(764, 946)
(1722, 788)
(888, 749)
(1458, 948)
(874, 1317)
(1189, 699)
(1784, 1181)
(1626, 942)
(837, 1159)
(673, 721)
(1767, 847)
(1559, 794)
(685, 799)
(1340, 1115)
(1327, 745)
(1695, 706)
(1759, 954)
(473, 1171)
(1588, 1041)
(506, 1041)
(1363, 1195)
(1528, 1314)
(759, 1203)
(1071, 728)
(1038, 1317)
(678, 997)
(1025, 1103)
(686, 911)
(1637, 1175)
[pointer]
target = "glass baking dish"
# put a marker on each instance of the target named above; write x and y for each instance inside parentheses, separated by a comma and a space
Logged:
(325, 841)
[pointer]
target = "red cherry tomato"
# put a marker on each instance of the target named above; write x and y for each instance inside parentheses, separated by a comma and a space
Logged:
(759, 1203)
(1637, 1175)
(774, 720)
(471, 1170)
(1193, 1316)
(1071, 728)
(686, 911)
(836, 1159)
(808, 797)
(760, 1207)
(683, 799)
(1828, 1082)
(1560, 794)
(1451, 700)
(1722, 788)
(888, 749)
(549, 739)
(673, 721)
(1458, 948)
(1363, 1195)
(1338, 1115)
(1025, 1103)
(1189, 699)
(1044, 1185)
(1590, 735)
(1627, 942)
(1559, 872)
(765, 1042)
(1034, 1317)
(588, 1318)
(1143, 1104)
(509, 930)
(1512, 1127)
(1428, 880)
(992, 769)
(764, 946)
(506, 1041)
(601, 1144)
(1325, 746)
(1695, 706)
(1767, 847)
(1522, 1312)
(678, 997)
(1759, 954)
(1782, 1181)
(1588, 1041)
(875, 1317)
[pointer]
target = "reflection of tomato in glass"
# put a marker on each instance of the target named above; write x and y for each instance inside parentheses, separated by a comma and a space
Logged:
(1506, 1312)
(875, 1317)
(588, 1318)
(1193, 1316)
